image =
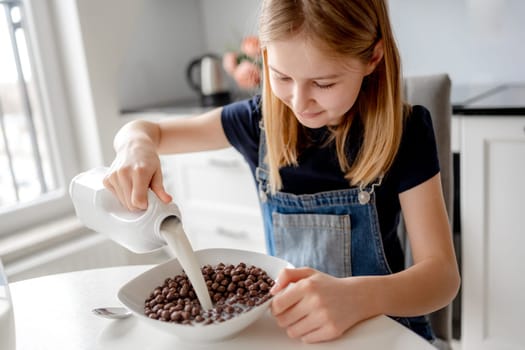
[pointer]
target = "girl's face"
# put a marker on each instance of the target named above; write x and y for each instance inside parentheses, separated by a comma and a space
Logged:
(319, 89)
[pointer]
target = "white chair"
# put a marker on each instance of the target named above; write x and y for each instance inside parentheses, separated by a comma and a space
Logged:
(433, 92)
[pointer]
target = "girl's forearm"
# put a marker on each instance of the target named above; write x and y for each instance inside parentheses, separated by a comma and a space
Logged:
(418, 290)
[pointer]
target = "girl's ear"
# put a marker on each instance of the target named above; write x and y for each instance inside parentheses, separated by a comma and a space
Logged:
(377, 56)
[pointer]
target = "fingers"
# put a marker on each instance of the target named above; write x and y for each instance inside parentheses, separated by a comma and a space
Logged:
(306, 329)
(139, 190)
(310, 330)
(302, 320)
(287, 276)
(288, 297)
(158, 187)
(130, 185)
(303, 303)
(109, 186)
(321, 334)
(290, 315)
(116, 187)
(306, 318)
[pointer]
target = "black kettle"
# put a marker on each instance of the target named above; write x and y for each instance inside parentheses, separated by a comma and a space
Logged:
(206, 76)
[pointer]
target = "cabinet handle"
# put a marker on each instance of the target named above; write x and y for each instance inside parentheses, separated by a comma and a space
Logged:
(223, 163)
(231, 233)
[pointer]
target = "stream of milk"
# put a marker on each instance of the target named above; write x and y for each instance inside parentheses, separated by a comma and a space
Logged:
(173, 233)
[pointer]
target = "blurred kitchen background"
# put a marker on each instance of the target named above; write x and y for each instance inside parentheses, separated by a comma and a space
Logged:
(135, 55)
(73, 72)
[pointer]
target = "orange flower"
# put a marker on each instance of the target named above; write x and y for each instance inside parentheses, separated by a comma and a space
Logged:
(247, 75)
(250, 46)
(244, 65)
(229, 62)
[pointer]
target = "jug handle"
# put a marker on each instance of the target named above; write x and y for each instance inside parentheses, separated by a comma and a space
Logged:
(189, 74)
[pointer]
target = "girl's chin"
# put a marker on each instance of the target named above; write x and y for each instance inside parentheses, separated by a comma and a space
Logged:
(312, 124)
(318, 122)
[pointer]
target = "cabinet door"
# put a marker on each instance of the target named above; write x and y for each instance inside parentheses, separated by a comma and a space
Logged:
(493, 232)
(217, 196)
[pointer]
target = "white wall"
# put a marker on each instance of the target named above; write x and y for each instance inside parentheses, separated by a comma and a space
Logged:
(475, 41)
(472, 40)
(166, 36)
(131, 54)
(226, 22)
(134, 54)
(92, 36)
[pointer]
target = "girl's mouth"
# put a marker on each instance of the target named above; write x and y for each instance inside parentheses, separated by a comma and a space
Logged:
(309, 115)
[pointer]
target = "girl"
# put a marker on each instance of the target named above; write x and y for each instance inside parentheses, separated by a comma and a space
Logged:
(337, 157)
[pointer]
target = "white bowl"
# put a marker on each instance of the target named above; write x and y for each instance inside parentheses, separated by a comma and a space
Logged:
(135, 292)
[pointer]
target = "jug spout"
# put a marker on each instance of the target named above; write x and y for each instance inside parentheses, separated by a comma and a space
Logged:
(98, 209)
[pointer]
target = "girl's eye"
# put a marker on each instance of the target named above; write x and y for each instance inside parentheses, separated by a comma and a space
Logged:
(324, 86)
(279, 77)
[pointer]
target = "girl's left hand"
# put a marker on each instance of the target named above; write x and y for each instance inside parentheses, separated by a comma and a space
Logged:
(316, 307)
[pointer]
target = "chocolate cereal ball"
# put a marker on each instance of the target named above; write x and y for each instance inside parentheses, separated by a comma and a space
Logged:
(233, 289)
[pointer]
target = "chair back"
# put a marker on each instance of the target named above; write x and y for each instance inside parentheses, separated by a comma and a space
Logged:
(433, 92)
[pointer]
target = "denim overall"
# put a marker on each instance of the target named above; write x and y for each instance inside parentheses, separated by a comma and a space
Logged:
(328, 231)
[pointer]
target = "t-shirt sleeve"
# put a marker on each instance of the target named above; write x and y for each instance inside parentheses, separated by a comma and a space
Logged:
(417, 159)
(240, 122)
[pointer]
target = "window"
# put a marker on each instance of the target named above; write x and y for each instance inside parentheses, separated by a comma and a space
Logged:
(24, 161)
(32, 172)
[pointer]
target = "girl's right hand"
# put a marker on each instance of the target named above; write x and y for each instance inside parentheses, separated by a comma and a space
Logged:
(135, 169)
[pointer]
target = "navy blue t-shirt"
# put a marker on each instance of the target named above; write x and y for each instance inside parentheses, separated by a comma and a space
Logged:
(319, 170)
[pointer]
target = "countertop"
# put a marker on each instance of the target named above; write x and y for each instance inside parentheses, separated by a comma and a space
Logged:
(54, 312)
(502, 99)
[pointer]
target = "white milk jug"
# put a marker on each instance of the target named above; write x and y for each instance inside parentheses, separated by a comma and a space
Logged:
(139, 231)
(100, 210)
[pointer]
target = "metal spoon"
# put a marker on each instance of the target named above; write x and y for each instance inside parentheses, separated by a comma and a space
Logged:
(112, 312)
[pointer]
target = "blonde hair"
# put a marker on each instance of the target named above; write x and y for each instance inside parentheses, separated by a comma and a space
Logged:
(346, 29)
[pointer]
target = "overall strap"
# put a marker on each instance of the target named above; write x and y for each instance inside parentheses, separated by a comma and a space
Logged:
(262, 147)
(262, 171)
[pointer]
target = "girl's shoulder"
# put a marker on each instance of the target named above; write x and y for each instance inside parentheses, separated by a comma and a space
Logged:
(418, 117)
(417, 157)
(245, 114)
(240, 122)
(418, 127)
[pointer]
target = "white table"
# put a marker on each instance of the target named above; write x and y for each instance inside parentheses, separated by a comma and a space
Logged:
(54, 312)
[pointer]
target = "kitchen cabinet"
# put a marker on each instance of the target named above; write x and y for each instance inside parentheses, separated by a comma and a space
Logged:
(218, 199)
(493, 231)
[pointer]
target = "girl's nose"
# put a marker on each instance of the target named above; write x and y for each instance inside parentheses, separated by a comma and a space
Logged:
(300, 98)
